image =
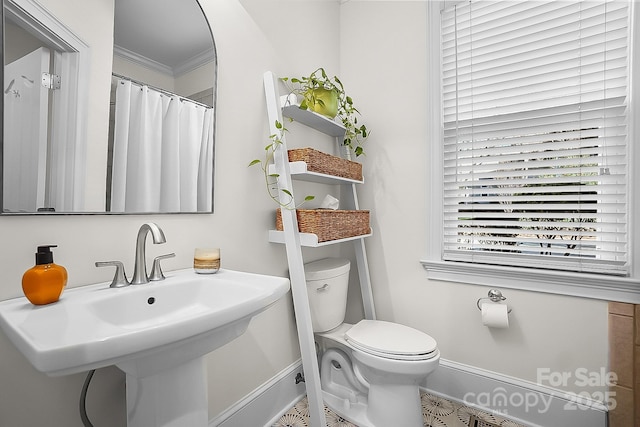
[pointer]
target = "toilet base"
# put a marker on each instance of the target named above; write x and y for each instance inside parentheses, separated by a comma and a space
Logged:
(367, 405)
(379, 415)
(395, 405)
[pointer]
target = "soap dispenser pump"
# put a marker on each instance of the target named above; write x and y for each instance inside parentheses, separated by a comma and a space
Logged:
(44, 282)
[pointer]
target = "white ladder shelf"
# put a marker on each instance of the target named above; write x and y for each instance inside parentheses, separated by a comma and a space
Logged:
(294, 240)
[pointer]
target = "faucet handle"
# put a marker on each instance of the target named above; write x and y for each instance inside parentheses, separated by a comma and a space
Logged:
(156, 270)
(119, 278)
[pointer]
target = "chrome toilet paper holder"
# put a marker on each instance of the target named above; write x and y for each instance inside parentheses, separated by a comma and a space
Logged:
(495, 296)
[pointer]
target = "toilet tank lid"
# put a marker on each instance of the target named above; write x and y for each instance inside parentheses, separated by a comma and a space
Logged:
(326, 268)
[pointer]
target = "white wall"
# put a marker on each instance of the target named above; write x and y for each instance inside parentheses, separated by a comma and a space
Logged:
(383, 62)
(379, 48)
(248, 44)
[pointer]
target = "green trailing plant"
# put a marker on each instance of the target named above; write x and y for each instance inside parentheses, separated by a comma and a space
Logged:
(325, 95)
(271, 179)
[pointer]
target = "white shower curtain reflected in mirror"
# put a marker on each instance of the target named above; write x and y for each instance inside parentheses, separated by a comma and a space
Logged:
(157, 140)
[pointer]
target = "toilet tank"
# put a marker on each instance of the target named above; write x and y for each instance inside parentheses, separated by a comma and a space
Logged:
(327, 285)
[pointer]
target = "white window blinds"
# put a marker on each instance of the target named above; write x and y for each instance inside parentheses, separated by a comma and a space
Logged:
(534, 108)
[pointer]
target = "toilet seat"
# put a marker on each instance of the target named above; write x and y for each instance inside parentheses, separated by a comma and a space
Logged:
(391, 340)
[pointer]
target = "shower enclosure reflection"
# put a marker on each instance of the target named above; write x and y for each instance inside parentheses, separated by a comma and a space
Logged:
(58, 67)
(162, 151)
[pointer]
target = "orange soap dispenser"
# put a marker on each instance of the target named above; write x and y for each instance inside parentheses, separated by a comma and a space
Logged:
(43, 283)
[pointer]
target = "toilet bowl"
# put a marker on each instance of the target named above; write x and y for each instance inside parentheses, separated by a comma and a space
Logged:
(370, 372)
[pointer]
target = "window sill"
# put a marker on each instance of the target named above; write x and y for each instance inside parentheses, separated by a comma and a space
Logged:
(607, 288)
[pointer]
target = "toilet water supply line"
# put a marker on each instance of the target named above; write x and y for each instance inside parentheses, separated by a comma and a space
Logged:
(83, 400)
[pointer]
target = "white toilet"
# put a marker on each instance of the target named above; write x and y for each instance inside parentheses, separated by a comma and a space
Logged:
(371, 371)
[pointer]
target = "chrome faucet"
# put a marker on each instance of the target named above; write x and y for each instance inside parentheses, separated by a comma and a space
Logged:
(140, 267)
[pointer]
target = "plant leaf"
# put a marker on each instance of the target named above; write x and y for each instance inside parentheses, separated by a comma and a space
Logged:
(255, 162)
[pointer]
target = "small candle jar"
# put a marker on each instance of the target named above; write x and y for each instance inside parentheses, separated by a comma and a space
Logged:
(206, 260)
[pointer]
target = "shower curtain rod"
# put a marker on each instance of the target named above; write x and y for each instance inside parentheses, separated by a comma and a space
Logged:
(163, 91)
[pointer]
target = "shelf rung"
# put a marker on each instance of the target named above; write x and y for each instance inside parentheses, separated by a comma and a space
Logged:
(314, 120)
(311, 240)
(300, 172)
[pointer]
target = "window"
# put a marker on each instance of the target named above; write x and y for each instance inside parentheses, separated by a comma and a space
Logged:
(534, 131)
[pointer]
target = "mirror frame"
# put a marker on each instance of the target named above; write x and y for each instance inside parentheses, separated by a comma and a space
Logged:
(2, 109)
(214, 106)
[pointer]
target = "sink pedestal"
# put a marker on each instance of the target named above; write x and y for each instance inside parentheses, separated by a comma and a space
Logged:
(168, 388)
(174, 397)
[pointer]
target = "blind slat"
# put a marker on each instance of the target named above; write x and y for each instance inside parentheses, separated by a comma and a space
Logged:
(535, 133)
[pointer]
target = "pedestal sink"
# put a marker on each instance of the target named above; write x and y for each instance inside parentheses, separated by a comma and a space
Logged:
(157, 333)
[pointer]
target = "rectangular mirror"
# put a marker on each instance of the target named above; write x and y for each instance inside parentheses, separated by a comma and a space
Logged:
(151, 150)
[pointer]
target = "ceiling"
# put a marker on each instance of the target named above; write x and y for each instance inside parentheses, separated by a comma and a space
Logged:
(172, 34)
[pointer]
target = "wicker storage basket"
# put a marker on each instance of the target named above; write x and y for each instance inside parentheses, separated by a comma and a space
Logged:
(330, 224)
(320, 162)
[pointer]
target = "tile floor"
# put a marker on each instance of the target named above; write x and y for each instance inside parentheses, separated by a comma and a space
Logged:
(436, 412)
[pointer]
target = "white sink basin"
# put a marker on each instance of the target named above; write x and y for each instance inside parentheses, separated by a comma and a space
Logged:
(143, 329)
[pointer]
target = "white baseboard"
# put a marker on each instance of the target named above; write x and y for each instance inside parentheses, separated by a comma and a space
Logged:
(266, 404)
(522, 401)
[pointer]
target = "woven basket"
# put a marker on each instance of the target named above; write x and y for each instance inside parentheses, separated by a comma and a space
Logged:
(330, 224)
(320, 162)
